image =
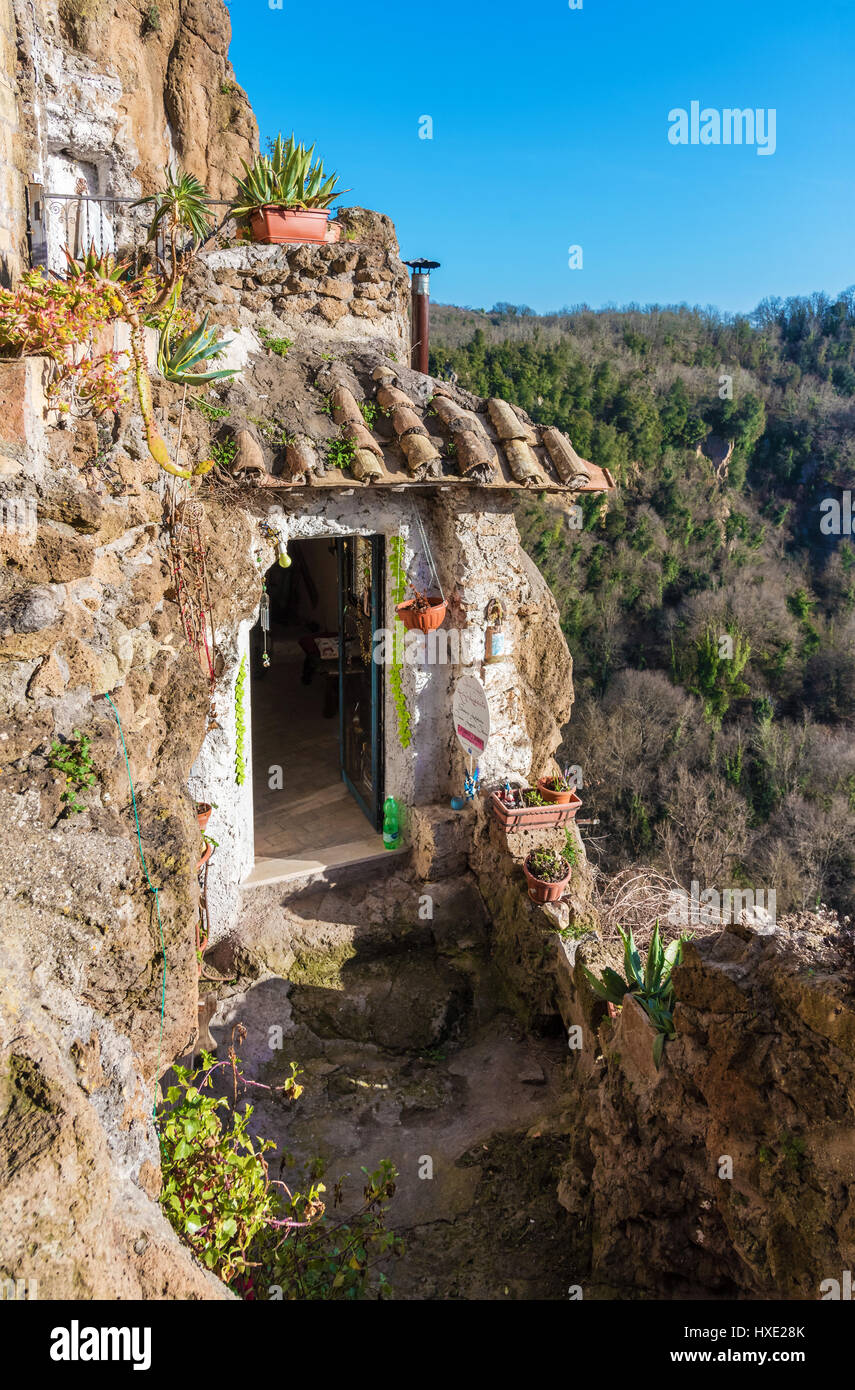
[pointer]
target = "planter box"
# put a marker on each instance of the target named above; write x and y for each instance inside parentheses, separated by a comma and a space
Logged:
(533, 817)
(272, 226)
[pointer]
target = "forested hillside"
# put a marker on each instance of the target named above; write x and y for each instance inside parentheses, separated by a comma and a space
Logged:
(711, 621)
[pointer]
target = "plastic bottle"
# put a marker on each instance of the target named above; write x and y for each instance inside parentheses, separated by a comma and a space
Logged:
(391, 824)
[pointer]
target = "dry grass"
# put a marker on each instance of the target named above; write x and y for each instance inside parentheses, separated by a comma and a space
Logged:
(638, 898)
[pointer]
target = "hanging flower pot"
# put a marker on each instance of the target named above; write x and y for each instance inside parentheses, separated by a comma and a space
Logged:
(423, 613)
(203, 813)
(274, 226)
(547, 874)
(209, 850)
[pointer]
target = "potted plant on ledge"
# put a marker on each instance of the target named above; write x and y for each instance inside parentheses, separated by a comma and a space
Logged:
(547, 873)
(524, 808)
(559, 790)
(284, 197)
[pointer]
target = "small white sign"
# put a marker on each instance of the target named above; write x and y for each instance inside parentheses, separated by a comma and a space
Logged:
(471, 714)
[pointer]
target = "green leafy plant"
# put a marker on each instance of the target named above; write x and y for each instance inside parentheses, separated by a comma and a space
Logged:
(278, 346)
(210, 411)
(562, 782)
(340, 452)
(650, 984)
(532, 797)
(250, 1230)
(369, 412)
(571, 849)
(180, 361)
(284, 178)
(547, 865)
(151, 20)
(73, 760)
(224, 452)
(396, 668)
(182, 205)
(240, 724)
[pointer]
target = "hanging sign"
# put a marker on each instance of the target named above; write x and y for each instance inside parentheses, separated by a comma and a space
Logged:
(471, 714)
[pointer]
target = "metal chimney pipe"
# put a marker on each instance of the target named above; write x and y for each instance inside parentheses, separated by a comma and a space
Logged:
(420, 314)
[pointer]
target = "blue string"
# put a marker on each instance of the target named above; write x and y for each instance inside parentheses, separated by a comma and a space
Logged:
(156, 902)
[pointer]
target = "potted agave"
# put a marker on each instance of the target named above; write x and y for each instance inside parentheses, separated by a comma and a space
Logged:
(284, 197)
(423, 612)
(547, 873)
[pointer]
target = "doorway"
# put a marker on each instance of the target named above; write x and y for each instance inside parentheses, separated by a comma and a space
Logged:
(316, 694)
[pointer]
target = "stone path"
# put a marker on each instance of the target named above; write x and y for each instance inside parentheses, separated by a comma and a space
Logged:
(408, 1054)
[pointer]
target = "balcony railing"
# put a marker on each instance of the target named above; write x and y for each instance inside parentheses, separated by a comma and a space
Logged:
(81, 220)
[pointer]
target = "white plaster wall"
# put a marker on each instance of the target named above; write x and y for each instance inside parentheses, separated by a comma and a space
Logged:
(213, 779)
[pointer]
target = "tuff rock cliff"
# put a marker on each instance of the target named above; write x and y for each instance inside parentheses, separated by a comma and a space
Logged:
(762, 1067)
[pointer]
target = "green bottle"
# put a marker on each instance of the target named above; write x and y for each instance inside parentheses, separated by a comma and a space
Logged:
(391, 824)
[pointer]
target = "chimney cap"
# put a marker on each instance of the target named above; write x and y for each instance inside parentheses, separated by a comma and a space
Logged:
(423, 265)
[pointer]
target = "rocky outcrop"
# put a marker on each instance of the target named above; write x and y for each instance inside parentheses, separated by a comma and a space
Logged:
(99, 980)
(729, 1172)
(98, 97)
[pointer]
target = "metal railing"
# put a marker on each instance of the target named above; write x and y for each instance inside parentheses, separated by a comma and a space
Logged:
(81, 220)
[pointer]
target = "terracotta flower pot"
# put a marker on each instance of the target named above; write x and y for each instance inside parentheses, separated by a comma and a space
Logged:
(542, 892)
(558, 798)
(203, 813)
(209, 850)
(531, 817)
(274, 226)
(427, 621)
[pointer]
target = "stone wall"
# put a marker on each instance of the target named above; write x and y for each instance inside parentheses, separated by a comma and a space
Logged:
(729, 1172)
(357, 287)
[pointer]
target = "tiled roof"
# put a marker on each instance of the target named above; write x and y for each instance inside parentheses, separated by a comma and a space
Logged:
(453, 439)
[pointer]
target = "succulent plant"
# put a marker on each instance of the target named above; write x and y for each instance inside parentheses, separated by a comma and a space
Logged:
(285, 178)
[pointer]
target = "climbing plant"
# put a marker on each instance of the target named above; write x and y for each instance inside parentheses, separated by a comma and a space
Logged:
(240, 724)
(396, 669)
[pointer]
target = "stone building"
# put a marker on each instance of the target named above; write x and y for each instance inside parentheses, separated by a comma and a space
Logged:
(321, 337)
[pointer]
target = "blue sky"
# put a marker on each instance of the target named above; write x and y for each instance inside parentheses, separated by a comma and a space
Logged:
(550, 130)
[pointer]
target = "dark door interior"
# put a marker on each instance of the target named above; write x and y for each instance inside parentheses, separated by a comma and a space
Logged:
(360, 597)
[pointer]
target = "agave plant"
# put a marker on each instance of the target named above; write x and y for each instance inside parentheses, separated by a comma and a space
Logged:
(103, 264)
(285, 178)
(182, 204)
(180, 362)
(650, 984)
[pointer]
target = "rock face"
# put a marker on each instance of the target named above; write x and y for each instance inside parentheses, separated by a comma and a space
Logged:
(100, 96)
(82, 611)
(730, 1171)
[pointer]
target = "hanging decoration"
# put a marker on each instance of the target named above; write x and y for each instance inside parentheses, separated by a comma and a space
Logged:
(264, 617)
(494, 638)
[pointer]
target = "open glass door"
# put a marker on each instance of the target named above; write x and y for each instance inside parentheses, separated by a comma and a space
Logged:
(360, 603)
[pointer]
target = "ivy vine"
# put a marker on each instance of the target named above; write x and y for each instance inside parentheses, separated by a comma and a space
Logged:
(240, 724)
(396, 669)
